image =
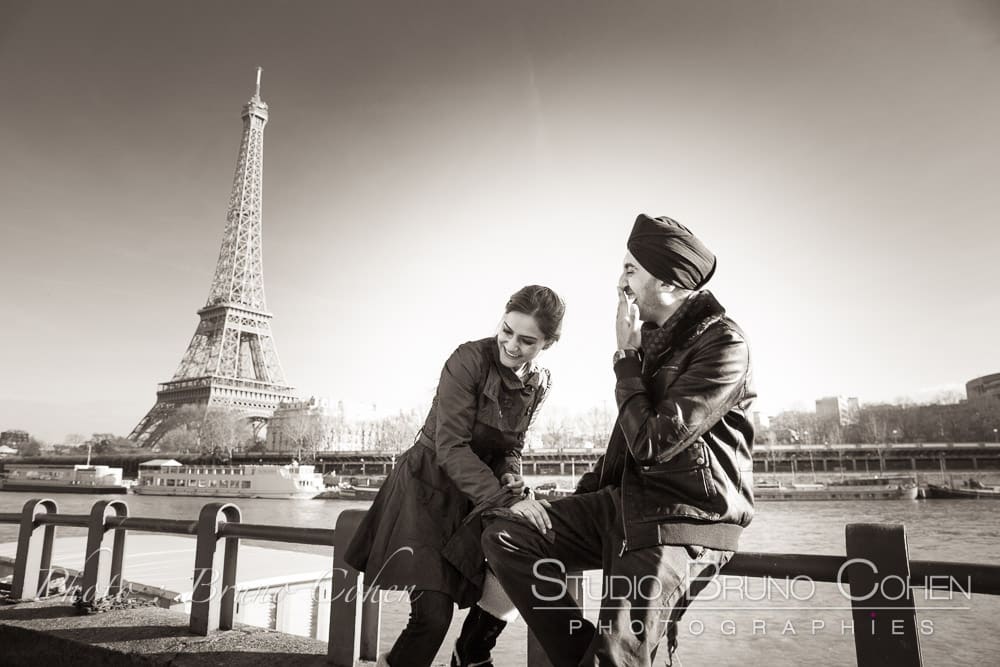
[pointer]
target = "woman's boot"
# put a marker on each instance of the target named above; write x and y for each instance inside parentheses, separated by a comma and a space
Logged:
(477, 639)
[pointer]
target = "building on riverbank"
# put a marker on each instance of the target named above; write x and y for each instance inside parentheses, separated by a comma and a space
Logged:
(986, 387)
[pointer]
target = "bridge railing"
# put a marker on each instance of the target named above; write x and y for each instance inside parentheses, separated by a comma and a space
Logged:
(876, 554)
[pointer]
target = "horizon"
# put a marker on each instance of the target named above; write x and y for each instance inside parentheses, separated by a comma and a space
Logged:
(419, 167)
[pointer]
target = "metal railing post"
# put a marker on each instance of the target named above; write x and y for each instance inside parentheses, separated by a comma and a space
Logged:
(575, 582)
(102, 568)
(33, 559)
(878, 571)
(346, 596)
(214, 595)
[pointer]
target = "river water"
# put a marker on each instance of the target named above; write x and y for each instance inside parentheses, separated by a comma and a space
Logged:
(789, 627)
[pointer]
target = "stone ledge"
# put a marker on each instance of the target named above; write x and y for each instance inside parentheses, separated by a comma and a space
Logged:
(50, 632)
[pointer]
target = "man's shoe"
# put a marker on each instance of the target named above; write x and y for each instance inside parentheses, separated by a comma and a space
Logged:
(477, 639)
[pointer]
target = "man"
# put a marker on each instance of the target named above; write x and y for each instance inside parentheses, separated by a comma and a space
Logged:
(663, 509)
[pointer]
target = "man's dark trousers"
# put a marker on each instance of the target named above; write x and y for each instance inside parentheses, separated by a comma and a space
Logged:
(646, 590)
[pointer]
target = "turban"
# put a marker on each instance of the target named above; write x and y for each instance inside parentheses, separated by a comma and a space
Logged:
(670, 252)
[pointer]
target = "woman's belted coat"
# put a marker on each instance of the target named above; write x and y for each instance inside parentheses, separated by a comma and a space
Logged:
(422, 531)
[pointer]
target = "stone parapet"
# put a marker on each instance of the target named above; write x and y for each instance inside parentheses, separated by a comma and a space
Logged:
(51, 632)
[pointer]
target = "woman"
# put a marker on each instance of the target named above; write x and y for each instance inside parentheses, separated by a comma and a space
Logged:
(422, 531)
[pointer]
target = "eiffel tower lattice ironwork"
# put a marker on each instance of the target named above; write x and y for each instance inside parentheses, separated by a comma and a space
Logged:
(231, 362)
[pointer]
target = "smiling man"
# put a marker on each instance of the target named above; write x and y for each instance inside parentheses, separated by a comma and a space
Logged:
(663, 509)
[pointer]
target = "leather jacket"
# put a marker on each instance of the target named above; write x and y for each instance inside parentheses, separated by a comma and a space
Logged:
(680, 452)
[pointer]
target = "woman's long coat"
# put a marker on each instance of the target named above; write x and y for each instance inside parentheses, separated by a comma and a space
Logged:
(422, 531)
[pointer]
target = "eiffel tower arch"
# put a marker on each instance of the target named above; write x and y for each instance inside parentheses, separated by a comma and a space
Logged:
(231, 362)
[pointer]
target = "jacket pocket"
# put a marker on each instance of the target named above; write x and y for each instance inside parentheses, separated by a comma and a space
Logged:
(682, 486)
(503, 411)
(438, 512)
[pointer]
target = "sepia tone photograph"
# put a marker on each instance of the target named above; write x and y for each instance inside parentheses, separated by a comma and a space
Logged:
(641, 333)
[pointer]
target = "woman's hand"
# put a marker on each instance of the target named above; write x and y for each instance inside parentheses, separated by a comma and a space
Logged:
(534, 511)
(513, 483)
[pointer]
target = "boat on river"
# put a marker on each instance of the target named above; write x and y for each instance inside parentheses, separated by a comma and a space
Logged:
(970, 489)
(167, 477)
(352, 488)
(861, 488)
(63, 479)
(552, 490)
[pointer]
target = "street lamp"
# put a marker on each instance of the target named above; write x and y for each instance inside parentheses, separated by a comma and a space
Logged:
(994, 435)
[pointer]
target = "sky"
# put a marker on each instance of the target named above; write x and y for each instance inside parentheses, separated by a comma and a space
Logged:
(425, 160)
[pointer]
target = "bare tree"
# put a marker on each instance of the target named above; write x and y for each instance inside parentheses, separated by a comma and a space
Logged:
(597, 424)
(31, 448)
(222, 430)
(182, 438)
(555, 430)
(395, 433)
(875, 427)
(297, 429)
(183, 429)
(107, 443)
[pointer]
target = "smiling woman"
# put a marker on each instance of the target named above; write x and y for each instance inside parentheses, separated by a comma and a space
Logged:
(531, 323)
(422, 532)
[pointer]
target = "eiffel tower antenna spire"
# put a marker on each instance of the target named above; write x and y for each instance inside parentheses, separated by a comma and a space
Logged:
(231, 362)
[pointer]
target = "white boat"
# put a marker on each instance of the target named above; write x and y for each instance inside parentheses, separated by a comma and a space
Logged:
(171, 478)
(63, 479)
(550, 490)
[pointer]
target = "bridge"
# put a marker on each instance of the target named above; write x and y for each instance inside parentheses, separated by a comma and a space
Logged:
(958, 458)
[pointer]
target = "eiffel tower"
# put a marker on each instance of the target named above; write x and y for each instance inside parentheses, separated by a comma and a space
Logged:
(231, 362)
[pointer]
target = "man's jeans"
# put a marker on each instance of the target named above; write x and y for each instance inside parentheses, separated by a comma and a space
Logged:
(646, 591)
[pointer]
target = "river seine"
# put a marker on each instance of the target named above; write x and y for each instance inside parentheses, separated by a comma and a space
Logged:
(747, 623)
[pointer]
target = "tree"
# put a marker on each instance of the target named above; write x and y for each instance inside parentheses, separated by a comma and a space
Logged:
(554, 429)
(396, 432)
(830, 432)
(597, 424)
(31, 448)
(223, 429)
(874, 427)
(304, 429)
(795, 426)
(182, 438)
(107, 443)
(182, 429)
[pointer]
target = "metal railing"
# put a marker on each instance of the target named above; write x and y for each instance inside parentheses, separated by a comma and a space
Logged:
(355, 617)
(875, 552)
